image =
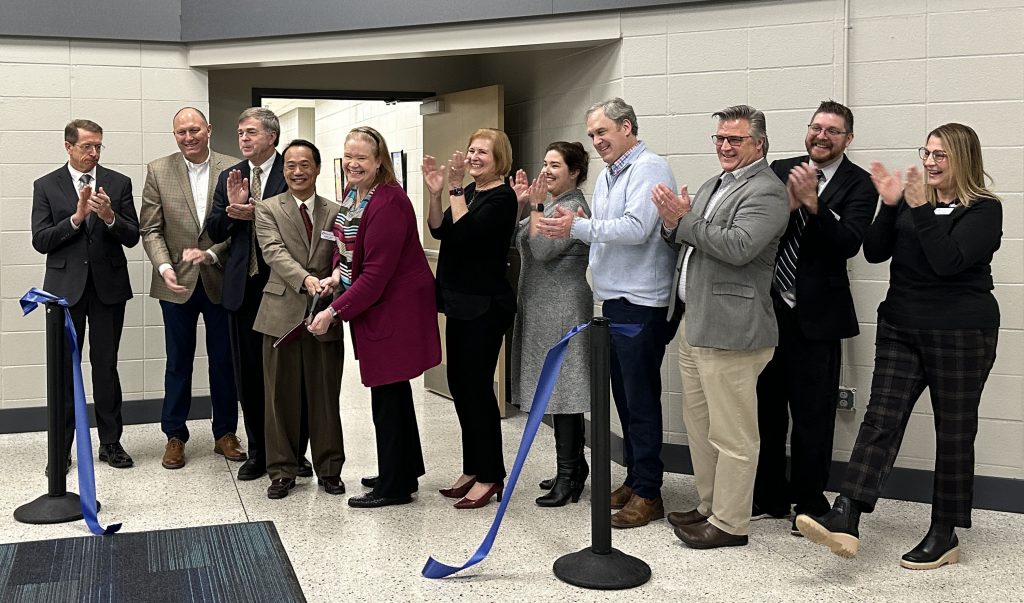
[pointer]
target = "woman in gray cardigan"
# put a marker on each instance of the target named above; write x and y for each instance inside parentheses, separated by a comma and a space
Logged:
(554, 297)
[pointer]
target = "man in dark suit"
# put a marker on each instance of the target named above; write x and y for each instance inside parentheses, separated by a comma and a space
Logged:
(186, 278)
(306, 371)
(831, 203)
(259, 176)
(83, 217)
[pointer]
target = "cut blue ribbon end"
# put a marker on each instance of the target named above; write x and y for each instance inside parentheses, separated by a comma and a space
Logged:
(545, 386)
(83, 440)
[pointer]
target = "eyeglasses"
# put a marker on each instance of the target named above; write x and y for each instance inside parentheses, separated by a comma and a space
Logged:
(816, 129)
(938, 156)
(734, 141)
(89, 148)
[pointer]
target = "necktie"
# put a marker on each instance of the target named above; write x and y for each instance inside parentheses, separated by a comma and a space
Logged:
(83, 181)
(785, 267)
(256, 193)
(304, 210)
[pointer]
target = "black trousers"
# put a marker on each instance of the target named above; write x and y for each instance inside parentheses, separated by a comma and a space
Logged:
(106, 321)
(801, 381)
(473, 347)
(399, 455)
(247, 361)
(954, 365)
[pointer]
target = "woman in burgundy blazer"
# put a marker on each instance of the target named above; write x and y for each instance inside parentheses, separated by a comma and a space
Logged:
(386, 293)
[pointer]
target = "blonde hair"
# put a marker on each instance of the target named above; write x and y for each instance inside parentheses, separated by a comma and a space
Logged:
(386, 172)
(963, 157)
(501, 148)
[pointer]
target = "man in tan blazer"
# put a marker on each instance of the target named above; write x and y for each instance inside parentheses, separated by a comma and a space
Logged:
(187, 277)
(294, 233)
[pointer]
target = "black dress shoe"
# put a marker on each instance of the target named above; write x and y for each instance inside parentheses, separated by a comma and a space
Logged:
(332, 485)
(67, 467)
(305, 468)
(252, 469)
(279, 487)
(685, 518)
(757, 512)
(705, 535)
(795, 531)
(372, 501)
(115, 456)
(836, 529)
(370, 481)
(939, 547)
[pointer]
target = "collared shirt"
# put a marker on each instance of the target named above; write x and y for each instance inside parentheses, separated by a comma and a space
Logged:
(728, 182)
(308, 203)
(265, 175)
(76, 178)
(199, 179)
(616, 167)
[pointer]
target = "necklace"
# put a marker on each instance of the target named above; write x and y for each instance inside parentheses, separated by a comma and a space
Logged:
(478, 189)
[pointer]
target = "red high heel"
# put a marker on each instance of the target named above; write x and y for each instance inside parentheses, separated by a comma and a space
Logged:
(458, 492)
(496, 489)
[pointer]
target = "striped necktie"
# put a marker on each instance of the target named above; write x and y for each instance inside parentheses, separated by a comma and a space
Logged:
(256, 193)
(785, 265)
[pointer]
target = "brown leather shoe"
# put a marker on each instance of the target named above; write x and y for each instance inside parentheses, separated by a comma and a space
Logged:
(621, 496)
(174, 454)
(639, 511)
(685, 518)
(229, 446)
(705, 535)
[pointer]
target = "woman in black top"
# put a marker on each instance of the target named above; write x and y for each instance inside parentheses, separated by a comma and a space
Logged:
(937, 329)
(477, 300)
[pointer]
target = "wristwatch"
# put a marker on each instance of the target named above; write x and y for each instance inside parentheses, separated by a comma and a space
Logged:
(334, 314)
(456, 191)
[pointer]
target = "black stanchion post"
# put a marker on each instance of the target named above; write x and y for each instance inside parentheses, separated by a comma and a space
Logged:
(57, 505)
(600, 566)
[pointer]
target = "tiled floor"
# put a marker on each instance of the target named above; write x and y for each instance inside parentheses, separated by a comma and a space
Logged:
(376, 555)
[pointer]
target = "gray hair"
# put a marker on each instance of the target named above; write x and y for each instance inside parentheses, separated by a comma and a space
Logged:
(618, 111)
(266, 118)
(756, 119)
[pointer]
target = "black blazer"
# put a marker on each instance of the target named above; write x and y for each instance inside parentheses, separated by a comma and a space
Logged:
(220, 227)
(73, 255)
(824, 304)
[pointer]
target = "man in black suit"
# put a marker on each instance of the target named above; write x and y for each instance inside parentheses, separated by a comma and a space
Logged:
(239, 188)
(831, 203)
(83, 216)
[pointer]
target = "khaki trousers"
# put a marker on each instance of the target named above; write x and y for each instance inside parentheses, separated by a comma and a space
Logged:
(310, 369)
(720, 414)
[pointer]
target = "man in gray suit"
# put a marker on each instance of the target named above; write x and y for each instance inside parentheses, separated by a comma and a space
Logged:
(727, 239)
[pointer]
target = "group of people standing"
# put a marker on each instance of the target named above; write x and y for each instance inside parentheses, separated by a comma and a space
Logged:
(751, 271)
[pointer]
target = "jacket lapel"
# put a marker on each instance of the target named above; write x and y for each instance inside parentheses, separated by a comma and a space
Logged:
(67, 187)
(181, 175)
(319, 223)
(838, 181)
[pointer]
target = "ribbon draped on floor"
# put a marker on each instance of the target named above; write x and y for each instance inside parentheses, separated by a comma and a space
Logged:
(545, 385)
(83, 442)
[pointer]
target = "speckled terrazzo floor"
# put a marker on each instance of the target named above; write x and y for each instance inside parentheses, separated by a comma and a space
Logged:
(340, 553)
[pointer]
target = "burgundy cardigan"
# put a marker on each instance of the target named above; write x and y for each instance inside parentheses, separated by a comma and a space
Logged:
(390, 304)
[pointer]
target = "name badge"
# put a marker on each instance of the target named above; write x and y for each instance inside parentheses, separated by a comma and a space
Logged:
(328, 235)
(944, 211)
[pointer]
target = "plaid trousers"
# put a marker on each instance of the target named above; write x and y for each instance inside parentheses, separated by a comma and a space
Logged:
(953, 364)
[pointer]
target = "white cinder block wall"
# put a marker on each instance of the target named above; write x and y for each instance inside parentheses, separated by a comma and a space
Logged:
(132, 90)
(911, 67)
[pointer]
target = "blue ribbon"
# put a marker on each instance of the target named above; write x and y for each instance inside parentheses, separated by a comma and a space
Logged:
(545, 385)
(83, 442)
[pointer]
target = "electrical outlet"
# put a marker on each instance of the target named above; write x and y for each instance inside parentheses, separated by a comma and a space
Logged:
(847, 397)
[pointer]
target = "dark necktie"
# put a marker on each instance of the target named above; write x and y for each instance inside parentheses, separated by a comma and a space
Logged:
(306, 221)
(785, 267)
(255, 193)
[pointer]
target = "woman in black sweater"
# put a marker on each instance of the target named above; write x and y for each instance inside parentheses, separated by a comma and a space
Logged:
(476, 298)
(937, 329)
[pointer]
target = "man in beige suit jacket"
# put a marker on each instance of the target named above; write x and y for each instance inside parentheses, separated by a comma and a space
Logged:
(187, 277)
(294, 233)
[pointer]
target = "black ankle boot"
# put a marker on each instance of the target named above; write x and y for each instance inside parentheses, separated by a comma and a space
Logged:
(568, 445)
(939, 547)
(836, 529)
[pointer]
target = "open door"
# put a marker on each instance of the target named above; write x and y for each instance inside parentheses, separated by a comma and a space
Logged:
(445, 132)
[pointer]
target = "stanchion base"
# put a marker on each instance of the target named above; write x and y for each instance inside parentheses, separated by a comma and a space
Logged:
(51, 509)
(613, 571)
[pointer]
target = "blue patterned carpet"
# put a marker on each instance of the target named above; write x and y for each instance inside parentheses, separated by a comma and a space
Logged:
(226, 563)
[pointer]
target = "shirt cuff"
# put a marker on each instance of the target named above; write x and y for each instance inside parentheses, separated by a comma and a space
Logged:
(216, 260)
(163, 268)
(112, 222)
(73, 225)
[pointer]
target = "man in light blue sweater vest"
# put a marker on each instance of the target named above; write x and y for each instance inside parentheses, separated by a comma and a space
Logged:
(631, 268)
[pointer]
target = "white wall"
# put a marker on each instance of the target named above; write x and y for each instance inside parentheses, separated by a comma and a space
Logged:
(132, 90)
